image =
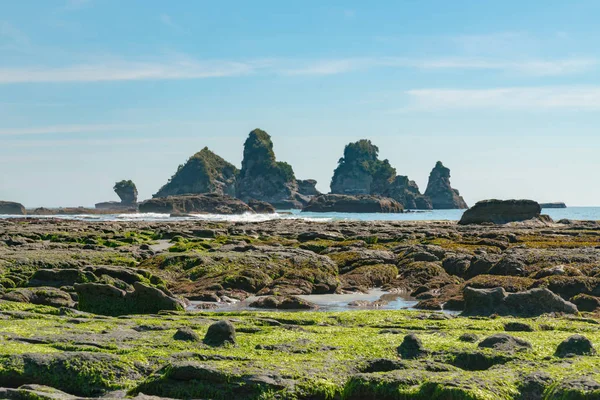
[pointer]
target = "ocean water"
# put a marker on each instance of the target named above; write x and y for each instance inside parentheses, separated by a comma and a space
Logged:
(574, 213)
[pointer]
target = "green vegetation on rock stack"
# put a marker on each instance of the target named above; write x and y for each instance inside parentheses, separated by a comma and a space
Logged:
(204, 172)
(360, 171)
(263, 177)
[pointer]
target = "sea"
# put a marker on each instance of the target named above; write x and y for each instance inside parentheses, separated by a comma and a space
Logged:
(574, 213)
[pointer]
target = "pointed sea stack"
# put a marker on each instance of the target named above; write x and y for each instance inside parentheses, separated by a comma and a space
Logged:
(264, 178)
(204, 172)
(442, 196)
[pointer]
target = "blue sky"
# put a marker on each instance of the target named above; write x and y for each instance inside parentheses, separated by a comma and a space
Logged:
(505, 93)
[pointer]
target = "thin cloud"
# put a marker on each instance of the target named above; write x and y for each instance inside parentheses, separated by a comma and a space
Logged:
(12, 38)
(529, 67)
(188, 68)
(57, 129)
(125, 72)
(512, 98)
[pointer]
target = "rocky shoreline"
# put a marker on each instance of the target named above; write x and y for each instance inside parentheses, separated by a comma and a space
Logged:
(96, 309)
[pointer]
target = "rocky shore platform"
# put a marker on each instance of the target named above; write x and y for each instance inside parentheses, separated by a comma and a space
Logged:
(97, 310)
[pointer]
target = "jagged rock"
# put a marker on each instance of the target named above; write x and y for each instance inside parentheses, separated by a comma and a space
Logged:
(126, 191)
(204, 172)
(575, 345)
(261, 207)
(220, 333)
(210, 203)
(501, 212)
(265, 179)
(442, 196)
(360, 172)
(407, 193)
(11, 208)
(529, 303)
(307, 187)
(353, 204)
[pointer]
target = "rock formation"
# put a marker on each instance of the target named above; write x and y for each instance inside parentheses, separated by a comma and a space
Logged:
(307, 187)
(210, 203)
(530, 303)
(127, 192)
(353, 204)
(11, 208)
(439, 191)
(264, 178)
(204, 172)
(361, 172)
(501, 212)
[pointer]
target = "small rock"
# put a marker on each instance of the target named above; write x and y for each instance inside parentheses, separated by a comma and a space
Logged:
(220, 333)
(468, 337)
(186, 334)
(412, 347)
(518, 327)
(575, 345)
(505, 343)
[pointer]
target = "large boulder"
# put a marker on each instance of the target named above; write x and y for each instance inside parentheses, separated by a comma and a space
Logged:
(264, 178)
(529, 303)
(11, 208)
(106, 299)
(501, 212)
(210, 203)
(439, 190)
(361, 172)
(307, 187)
(204, 172)
(353, 204)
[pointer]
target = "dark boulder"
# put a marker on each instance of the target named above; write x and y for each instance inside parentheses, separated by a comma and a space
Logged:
(518, 327)
(353, 204)
(261, 207)
(501, 212)
(585, 302)
(440, 192)
(186, 334)
(412, 347)
(105, 299)
(204, 172)
(505, 343)
(11, 208)
(220, 333)
(529, 303)
(575, 345)
(210, 203)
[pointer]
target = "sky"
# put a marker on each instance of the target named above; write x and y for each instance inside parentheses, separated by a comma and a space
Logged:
(505, 93)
